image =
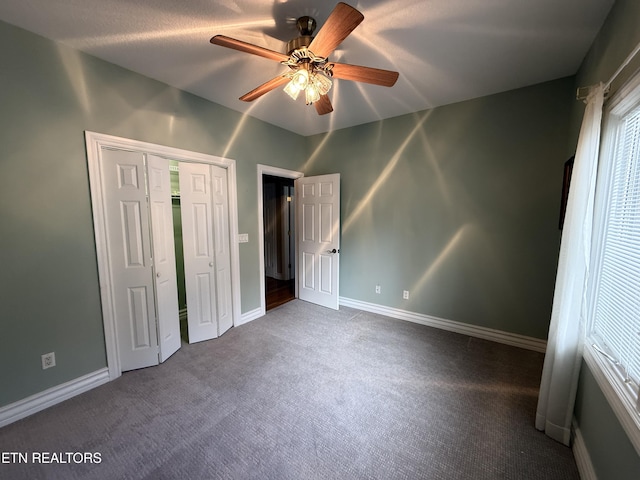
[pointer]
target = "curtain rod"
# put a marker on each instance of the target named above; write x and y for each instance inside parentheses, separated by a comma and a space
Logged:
(624, 64)
(583, 92)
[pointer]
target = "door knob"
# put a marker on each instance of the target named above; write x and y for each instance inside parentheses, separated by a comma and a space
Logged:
(211, 264)
(158, 274)
(332, 251)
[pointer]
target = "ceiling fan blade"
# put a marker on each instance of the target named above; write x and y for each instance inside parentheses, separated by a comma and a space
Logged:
(264, 88)
(323, 106)
(338, 26)
(376, 76)
(241, 46)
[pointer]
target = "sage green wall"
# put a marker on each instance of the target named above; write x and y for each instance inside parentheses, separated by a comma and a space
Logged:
(459, 205)
(49, 95)
(612, 455)
(617, 38)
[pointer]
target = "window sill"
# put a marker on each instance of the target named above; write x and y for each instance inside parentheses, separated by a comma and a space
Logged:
(621, 404)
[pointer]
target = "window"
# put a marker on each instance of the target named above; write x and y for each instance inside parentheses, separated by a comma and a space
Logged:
(614, 315)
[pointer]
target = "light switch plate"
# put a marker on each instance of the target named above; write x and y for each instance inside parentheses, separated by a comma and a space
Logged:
(243, 238)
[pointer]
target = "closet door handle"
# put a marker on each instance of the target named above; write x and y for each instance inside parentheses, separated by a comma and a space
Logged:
(211, 264)
(158, 274)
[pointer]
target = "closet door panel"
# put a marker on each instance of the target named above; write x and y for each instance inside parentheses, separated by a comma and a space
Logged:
(129, 247)
(164, 258)
(198, 245)
(221, 245)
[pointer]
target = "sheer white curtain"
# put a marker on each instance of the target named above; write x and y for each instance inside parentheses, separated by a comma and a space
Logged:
(566, 331)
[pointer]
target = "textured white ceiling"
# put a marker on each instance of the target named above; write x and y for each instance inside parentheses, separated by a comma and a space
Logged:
(445, 50)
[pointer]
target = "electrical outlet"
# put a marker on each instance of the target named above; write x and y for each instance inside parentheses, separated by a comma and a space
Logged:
(378, 289)
(48, 360)
(405, 294)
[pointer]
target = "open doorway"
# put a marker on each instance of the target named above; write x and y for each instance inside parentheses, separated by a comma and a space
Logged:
(266, 170)
(279, 240)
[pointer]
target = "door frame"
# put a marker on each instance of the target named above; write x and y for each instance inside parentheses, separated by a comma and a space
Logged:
(276, 172)
(94, 144)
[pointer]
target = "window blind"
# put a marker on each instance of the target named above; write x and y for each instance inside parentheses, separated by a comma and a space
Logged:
(616, 313)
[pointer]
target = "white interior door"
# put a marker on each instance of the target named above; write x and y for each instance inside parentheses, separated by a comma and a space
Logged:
(197, 237)
(122, 226)
(164, 257)
(318, 230)
(222, 252)
(129, 247)
(207, 260)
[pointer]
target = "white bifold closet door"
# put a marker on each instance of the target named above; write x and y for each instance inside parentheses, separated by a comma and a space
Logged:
(164, 255)
(147, 329)
(207, 260)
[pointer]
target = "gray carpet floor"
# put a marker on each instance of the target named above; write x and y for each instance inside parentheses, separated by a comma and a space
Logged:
(308, 393)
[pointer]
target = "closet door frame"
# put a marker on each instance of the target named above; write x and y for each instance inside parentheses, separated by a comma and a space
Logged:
(95, 142)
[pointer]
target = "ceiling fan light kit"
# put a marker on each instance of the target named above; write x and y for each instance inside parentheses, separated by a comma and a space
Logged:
(309, 74)
(307, 58)
(313, 84)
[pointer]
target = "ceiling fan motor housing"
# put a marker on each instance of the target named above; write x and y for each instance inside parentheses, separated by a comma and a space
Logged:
(298, 42)
(306, 26)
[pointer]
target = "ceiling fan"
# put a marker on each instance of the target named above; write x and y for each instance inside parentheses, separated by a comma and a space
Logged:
(310, 70)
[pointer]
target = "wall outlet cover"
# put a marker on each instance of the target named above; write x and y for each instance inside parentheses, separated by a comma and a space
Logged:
(48, 360)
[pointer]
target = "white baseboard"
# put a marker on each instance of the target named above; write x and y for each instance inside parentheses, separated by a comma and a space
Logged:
(581, 454)
(52, 396)
(249, 316)
(498, 336)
